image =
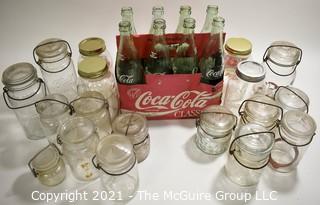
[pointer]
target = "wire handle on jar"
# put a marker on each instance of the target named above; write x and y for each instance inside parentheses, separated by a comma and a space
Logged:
(294, 145)
(71, 108)
(232, 150)
(295, 93)
(90, 97)
(33, 171)
(266, 58)
(48, 43)
(276, 165)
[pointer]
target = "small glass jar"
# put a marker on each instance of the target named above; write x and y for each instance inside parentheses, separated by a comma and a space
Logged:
(48, 166)
(22, 89)
(290, 98)
(54, 59)
(94, 69)
(261, 110)
(116, 161)
(214, 129)
(53, 110)
(134, 126)
(93, 106)
(295, 133)
(249, 153)
(79, 141)
(248, 80)
(281, 60)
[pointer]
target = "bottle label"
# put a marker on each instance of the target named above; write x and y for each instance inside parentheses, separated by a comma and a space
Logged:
(126, 79)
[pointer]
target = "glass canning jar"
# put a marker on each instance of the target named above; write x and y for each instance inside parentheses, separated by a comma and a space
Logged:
(249, 153)
(94, 69)
(54, 59)
(248, 80)
(290, 98)
(93, 106)
(294, 134)
(261, 110)
(214, 129)
(22, 89)
(116, 161)
(79, 140)
(48, 166)
(134, 126)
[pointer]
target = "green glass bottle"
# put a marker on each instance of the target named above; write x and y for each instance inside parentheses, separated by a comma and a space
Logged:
(212, 11)
(157, 13)
(185, 12)
(127, 15)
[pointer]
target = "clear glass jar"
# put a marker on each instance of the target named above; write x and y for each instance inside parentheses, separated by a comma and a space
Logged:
(54, 59)
(249, 153)
(94, 69)
(261, 110)
(290, 98)
(214, 129)
(248, 80)
(53, 110)
(22, 88)
(48, 166)
(134, 126)
(118, 167)
(295, 133)
(93, 106)
(79, 141)
(281, 60)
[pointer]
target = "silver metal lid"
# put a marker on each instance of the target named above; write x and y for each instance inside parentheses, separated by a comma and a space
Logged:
(18, 74)
(251, 71)
(288, 100)
(283, 53)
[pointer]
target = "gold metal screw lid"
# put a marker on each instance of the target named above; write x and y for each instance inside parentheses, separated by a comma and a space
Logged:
(238, 46)
(92, 67)
(92, 46)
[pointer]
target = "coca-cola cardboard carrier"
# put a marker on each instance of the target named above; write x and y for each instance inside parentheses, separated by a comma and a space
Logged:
(172, 96)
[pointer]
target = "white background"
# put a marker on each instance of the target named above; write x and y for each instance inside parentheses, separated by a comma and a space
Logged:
(171, 165)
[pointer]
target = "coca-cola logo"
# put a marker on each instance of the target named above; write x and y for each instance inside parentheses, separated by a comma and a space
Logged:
(127, 79)
(213, 74)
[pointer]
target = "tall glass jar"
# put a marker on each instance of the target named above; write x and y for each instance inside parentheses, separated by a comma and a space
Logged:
(295, 133)
(79, 141)
(290, 98)
(118, 167)
(248, 80)
(94, 69)
(93, 106)
(249, 153)
(214, 129)
(48, 166)
(261, 110)
(22, 89)
(134, 126)
(54, 59)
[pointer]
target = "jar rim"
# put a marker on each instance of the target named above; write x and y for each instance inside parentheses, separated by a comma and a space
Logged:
(18, 74)
(46, 158)
(51, 48)
(250, 71)
(283, 53)
(289, 100)
(56, 108)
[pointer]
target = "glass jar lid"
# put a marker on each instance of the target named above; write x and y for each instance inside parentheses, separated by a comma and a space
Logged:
(132, 125)
(115, 153)
(88, 103)
(92, 46)
(18, 74)
(46, 158)
(238, 46)
(250, 71)
(51, 48)
(288, 99)
(214, 122)
(283, 53)
(92, 67)
(50, 108)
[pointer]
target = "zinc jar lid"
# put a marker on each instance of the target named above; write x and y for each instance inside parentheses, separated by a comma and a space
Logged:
(115, 153)
(18, 74)
(238, 46)
(46, 159)
(92, 67)
(215, 122)
(51, 50)
(92, 46)
(250, 71)
(49, 108)
(88, 103)
(290, 101)
(283, 53)
(132, 125)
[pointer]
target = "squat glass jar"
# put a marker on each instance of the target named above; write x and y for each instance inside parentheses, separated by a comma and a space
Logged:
(118, 167)
(249, 153)
(294, 134)
(22, 89)
(214, 129)
(134, 126)
(79, 141)
(54, 59)
(94, 69)
(48, 166)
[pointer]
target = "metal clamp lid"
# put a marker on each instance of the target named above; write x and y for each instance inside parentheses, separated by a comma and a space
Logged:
(294, 145)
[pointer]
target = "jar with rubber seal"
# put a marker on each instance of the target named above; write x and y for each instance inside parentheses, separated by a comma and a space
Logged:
(294, 134)
(249, 154)
(134, 126)
(214, 129)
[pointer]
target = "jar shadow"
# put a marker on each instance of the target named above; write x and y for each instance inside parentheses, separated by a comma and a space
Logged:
(195, 154)
(228, 193)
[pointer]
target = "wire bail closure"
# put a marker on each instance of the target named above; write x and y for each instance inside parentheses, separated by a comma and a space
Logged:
(91, 97)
